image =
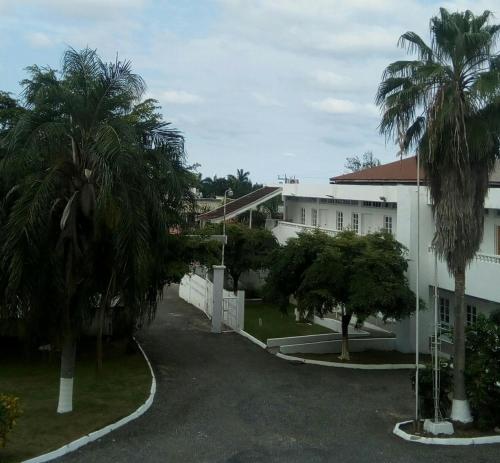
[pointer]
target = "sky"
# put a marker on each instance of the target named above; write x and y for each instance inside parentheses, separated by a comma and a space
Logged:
(275, 87)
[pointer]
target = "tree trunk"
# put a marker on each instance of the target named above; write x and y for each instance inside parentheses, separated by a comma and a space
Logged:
(346, 319)
(236, 279)
(101, 319)
(68, 354)
(460, 406)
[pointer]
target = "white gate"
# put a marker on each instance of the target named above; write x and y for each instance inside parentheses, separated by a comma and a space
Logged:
(198, 291)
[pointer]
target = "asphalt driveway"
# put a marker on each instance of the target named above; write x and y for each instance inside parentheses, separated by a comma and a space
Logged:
(221, 399)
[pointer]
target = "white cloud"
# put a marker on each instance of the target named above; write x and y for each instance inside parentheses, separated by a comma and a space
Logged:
(39, 39)
(329, 79)
(179, 97)
(339, 106)
(265, 100)
(95, 9)
(289, 155)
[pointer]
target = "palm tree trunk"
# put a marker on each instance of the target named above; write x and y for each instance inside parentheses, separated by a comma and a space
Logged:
(68, 355)
(101, 319)
(100, 328)
(346, 319)
(460, 406)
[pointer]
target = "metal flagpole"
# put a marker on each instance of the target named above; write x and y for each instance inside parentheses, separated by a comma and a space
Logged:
(417, 308)
(436, 341)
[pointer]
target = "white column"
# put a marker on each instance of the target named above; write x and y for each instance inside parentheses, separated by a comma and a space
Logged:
(250, 221)
(217, 298)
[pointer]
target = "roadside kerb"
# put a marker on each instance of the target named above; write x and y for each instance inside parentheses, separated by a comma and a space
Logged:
(93, 436)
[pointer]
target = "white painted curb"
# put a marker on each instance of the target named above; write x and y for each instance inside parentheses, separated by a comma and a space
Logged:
(84, 440)
(443, 440)
(253, 339)
(354, 366)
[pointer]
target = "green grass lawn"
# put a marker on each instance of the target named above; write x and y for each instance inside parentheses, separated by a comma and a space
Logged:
(275, 324)
(98, 400)
(372, 357)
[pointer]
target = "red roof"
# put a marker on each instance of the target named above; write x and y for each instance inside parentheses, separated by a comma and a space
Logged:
(401, 171)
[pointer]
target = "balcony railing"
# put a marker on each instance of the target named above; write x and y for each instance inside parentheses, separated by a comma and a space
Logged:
(301, 227)
(480, 256)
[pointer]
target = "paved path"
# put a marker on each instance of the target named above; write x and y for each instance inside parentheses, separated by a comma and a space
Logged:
(223, 399)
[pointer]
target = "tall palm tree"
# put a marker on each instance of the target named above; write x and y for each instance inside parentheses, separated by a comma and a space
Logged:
(242, 175)
(446, 104)
(91, 167)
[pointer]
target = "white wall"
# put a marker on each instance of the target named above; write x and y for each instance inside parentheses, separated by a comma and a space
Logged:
(371, 219)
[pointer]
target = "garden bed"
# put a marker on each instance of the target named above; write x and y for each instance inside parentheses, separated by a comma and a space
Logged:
(99, 400)
(276, 324)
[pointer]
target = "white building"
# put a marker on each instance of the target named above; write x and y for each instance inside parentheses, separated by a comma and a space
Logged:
(385, 197)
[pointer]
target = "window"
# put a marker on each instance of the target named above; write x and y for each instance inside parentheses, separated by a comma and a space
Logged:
(388, 224)
(314, 217)
(444, 312)
(355, 222)
(471, 314)
(303, 215)
(340, 220)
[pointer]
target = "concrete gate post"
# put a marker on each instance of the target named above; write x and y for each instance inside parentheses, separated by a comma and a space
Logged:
(218, 282)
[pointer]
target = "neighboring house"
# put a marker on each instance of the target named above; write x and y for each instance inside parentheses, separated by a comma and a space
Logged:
(385, 198)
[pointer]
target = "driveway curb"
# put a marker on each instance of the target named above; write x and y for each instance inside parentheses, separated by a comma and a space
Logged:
(443, 440)
(93, 436)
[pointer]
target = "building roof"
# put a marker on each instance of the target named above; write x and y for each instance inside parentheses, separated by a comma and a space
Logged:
(401, 171)
(240, 205)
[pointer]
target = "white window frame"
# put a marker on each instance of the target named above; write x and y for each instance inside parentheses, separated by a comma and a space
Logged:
(388, 223)
(340, 220)
(303, 215)
(444, 312)
(471, 315)
(355, 222)
(314, 217)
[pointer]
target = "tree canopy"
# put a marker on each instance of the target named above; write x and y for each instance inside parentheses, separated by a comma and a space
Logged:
(360, 276)
(240, 184)
(94, 181)
(355, 163)
(246, 249)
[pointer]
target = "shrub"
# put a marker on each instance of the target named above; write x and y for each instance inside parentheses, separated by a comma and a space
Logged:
(426, 390)
(9, 412)
(482, 372)
(482, 376)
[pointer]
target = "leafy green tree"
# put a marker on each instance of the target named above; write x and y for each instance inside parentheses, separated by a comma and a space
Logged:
(360, 275)
(246, 249)
(355, 163)
(445, 103)
(96, 181)
(288, 265)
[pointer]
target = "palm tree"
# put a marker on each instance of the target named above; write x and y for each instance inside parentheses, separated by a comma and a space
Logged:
(91, 167)
(446, 104)
(242, 175)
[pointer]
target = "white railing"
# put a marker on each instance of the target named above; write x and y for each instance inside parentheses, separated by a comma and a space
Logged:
(198, 291)
(491, 258)
(301, 227)
(480, 256)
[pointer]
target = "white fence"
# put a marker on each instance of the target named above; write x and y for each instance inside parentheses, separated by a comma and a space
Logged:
(199, 292)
